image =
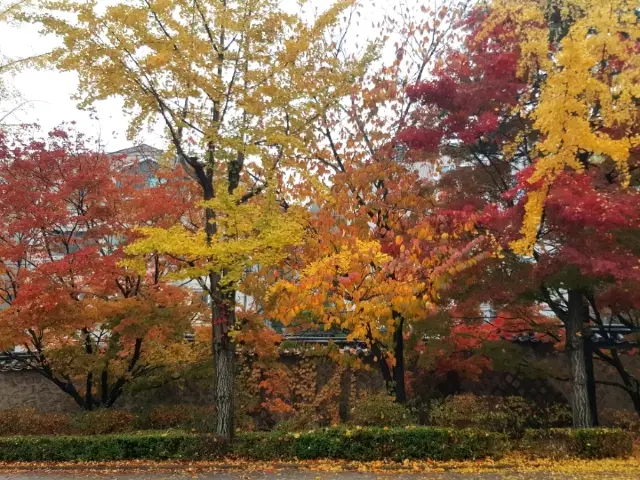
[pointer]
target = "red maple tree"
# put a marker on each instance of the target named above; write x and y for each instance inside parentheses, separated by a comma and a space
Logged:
(78, 315)
(584, 262)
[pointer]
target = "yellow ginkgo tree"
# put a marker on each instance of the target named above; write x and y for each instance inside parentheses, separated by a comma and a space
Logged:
(582, 61)
(238, 86)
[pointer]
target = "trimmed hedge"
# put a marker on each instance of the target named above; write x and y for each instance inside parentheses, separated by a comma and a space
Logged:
(582, 442)
(357, 444)
(155, 446)
(372, 444)
(362, 444)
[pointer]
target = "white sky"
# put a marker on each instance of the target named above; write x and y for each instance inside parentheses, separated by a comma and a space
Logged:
(49, 92)
(49, 95)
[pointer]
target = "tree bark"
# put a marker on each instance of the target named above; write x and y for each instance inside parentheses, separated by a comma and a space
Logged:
(222, 301)
(223, 318)
(104, 387)
(576, 315)
(225, 373)
(88, 399)
(591, 380)
(398, 370)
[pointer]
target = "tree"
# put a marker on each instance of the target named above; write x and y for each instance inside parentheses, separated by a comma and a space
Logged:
(375, 296)
(587, 109)
(87, 323)
(238, 85)
(376, 256)
(470, 346)
(507, 168)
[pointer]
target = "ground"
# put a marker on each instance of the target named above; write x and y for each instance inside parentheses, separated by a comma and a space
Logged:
(301, 476)
(513, 467)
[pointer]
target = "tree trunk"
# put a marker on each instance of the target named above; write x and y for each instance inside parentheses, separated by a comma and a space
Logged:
(223, 318)
(591, 380)
(88, 400)
(575, 351)
(398, 371)
(104, 387)
(635, 398)
(223, 303)
(225, 369)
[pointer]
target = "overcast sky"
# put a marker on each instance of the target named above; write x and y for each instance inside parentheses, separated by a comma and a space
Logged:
(48, 93)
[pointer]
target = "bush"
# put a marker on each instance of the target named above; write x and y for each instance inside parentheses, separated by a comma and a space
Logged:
(366, 444)
(510, 415)
(191, 417)
(28, 421)
(303, 419)
(101, 422)
(554, 416)
(110, 447)
(359, 444)
(624, 419)
(25, 421)
(585, 442)
(380, 411)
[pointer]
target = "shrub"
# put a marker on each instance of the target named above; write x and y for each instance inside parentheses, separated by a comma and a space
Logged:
(100, 422)
(358, 444)
(110, 447)
(510, 415)
(28, 421)
(106, 421)
(199, 418)
(585, 442)
(556, 415)
(624, 419)
(366, 444)
(303, 419)
(380, 411)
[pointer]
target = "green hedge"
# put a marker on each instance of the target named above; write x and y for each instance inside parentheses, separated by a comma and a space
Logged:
(156, 446)
(356, 444)
(361, 444)
(585, 442)
(372, 444)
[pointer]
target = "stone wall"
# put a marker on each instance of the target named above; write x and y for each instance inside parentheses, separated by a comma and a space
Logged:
(608, 397)
(29, 389)
(26, 388)
(554, 390)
